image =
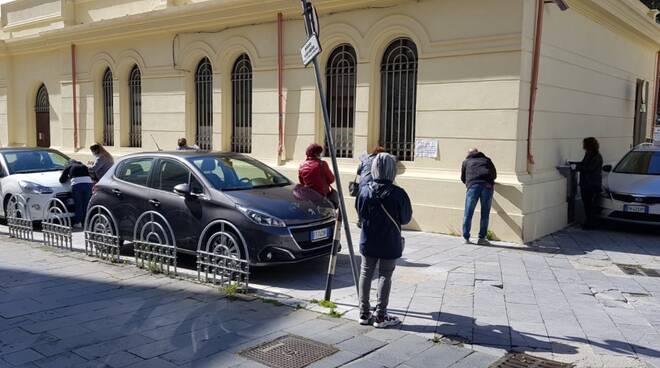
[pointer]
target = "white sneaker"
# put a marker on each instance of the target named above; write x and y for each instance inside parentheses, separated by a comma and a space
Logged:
(386, 321)
(365, 319)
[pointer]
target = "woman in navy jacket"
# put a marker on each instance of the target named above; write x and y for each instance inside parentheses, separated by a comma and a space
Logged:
(382, 207)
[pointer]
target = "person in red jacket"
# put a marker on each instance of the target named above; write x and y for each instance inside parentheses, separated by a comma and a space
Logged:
(315, 174)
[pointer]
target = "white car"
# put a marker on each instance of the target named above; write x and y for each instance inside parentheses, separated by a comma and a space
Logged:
(33, 173)
(631, 189)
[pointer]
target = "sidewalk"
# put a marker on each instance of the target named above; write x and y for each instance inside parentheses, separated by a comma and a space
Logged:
(62, 309)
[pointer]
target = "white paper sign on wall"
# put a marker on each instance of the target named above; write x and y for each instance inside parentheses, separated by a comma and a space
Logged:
(426, 148)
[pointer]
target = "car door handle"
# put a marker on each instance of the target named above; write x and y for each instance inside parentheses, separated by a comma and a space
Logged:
(116, 192)
(154, 202)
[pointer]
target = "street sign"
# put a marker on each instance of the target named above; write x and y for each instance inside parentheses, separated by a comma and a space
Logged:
(310, 50)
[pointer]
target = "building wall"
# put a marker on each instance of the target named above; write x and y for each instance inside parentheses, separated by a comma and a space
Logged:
(469, 88)
(589, 66)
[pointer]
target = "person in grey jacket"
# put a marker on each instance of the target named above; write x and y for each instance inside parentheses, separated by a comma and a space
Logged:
(103, 161)
(478, 174)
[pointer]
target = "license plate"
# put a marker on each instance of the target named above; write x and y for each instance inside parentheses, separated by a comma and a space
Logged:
(635, 209)
(320, 234)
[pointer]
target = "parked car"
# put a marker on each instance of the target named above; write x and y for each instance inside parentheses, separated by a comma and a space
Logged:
(33, 173)
(223, 203)
(631, 189)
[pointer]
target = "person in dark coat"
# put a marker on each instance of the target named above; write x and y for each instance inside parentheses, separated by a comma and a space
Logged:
(103, 161)
(315, 173)
(77, 174)
(382, 208)
(478, 174)
(591, 180)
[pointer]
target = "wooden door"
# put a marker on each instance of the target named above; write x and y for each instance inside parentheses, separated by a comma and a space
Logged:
(43, 129)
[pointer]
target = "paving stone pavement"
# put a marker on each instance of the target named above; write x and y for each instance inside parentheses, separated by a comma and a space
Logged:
(561, 298)
(61, 309)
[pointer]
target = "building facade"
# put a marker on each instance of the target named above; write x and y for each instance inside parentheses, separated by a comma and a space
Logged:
(453, 74)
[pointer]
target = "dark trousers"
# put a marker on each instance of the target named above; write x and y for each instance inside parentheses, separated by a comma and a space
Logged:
(590, 202)
(81, 195)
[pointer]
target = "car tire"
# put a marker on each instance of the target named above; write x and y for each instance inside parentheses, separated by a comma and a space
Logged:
(225, 241)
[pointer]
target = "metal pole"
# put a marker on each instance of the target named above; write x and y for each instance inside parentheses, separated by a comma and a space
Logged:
(311, 31)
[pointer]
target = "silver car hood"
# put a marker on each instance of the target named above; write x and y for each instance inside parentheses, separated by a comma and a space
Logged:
(644, 185)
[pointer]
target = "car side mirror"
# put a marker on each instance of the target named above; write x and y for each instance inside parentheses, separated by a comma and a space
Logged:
(607, 168)
(182, 190)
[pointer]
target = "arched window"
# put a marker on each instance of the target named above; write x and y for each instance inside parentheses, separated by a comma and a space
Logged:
(108, 109)
(204, 104)
(135, 107)
(341, 80)
(398, 73)
(241, 88)
(42, 117)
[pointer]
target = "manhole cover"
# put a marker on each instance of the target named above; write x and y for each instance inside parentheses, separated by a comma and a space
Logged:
(289, 352)
(636, 270)
(527, 361)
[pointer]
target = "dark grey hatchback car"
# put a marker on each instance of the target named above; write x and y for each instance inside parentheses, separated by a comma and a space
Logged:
(219, 202)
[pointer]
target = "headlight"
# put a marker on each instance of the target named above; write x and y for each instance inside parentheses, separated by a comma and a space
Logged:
(34, 188)
(326, 211)
(261, 218)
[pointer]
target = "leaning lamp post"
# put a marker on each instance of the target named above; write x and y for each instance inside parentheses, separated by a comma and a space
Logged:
(310, 52)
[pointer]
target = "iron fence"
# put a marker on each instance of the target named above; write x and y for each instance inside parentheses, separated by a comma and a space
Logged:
(101, 234)
(56, 225)
(19, 218)
(154, 244)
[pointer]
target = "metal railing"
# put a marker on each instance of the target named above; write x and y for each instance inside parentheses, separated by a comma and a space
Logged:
(341, 85)
(56, 225)
(135, 107)
(154, 244)
(108, 109)
(204, 104)
(223, 270)
(19, 219)
(102, 234)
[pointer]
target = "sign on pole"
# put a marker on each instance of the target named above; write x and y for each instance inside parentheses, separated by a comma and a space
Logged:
(310, 50)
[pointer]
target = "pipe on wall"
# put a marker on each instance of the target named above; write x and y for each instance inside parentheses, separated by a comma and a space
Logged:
(538, 31)
(280, 86)
(75, 102)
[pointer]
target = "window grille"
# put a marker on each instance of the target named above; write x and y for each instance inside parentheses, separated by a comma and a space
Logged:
(41, 104)
(135, 104)
(241, 79)
(108, 109)
(398, 99)
(204, 104)
(341, 81)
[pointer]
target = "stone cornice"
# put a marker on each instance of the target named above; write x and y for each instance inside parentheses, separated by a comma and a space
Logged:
(193, 17)
(629, 17)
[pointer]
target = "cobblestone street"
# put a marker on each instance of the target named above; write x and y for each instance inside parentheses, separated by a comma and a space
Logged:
(562, 298)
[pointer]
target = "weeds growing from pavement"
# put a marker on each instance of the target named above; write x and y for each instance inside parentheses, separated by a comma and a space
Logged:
(334, 314)
(490, 235)
(327, 304)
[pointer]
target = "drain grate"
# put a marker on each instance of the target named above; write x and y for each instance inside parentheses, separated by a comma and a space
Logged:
(519, 360)
(636, 270)
(289, 352)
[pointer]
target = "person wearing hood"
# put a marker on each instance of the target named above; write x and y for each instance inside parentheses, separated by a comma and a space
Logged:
(77, 174)
(478, 174)
(383, 208)
(315, 173)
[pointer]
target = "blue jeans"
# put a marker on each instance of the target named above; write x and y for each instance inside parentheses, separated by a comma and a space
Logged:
(81, 194)
(475, 194)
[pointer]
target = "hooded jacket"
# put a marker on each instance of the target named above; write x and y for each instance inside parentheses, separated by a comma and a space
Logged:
(379, 237)
(315, 174)
(478, 169)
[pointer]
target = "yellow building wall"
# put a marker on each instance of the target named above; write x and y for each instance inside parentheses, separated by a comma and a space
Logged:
(472, 54)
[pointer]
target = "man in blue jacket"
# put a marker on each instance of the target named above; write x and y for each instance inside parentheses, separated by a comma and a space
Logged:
(478, 174)
(382, 207)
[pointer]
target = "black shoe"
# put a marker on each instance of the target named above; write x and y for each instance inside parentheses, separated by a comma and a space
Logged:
(365, 319)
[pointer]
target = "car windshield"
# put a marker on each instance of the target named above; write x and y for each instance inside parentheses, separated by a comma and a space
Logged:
(640, 163)
(236, 173)
(23, 162)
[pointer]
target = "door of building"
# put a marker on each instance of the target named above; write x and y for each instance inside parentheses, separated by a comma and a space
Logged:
(42, 117)
(641, 111)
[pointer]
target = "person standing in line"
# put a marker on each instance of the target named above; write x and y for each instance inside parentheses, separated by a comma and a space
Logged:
(315, 173)
(103, 161)
(591, 180)
(364, 167)
(382, 208)
(81, 189)
(478, 173)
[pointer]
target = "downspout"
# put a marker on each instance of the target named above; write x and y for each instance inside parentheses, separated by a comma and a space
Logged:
(280, 86)
(538, 30)
(75, 102)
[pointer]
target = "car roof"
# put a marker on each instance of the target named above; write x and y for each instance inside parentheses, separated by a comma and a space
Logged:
(647, 147)
(185, 154)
